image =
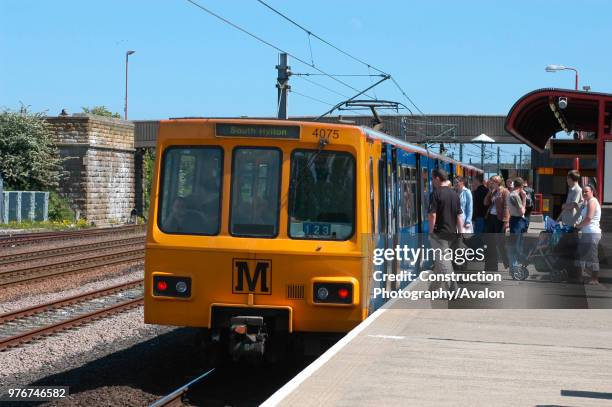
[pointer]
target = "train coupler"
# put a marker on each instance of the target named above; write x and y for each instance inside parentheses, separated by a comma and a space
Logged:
(247, 338)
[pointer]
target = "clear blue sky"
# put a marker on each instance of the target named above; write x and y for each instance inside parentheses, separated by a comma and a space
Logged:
(468, 57)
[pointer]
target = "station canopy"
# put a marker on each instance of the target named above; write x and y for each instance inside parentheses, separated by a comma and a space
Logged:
(539, 115)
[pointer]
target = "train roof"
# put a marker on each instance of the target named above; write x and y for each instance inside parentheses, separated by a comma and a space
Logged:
(377, 135)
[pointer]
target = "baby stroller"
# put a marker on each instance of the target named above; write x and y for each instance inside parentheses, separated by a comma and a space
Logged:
(554, 253)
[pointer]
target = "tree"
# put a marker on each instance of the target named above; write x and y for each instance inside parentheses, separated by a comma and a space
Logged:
(29, 159)
(149, 165)
(101, 111)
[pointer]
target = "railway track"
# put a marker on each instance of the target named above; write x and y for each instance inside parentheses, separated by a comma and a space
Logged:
(22, 326)
(70, 250)
(30, 273)
(41, 237)
(175, 399)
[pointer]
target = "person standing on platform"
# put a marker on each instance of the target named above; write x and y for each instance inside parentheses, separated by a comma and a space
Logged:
(480, 209)
(591, 233)
(445, 221)
(498, 220)
(529, 202)
(569, 212)
(466, 202)
(516, 207)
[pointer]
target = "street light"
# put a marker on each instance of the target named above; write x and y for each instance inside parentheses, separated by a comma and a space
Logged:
(483, 138)
(127, 56)
(555, 68)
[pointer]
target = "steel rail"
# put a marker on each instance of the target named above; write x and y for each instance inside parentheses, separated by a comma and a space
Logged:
(23, 238)
(37, 309)
(63, 325)
(174, 399)
(69, 250)
(27, 274)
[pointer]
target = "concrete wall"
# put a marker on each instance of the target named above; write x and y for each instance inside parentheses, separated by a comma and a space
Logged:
(99, 165)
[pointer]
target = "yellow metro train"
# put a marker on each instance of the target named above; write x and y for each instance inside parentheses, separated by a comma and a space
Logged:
(264, 228)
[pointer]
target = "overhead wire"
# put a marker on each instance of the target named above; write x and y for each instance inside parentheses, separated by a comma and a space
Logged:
(310, 47)
(310, 33)
(236, 26)
(310, 97)
(371, 81)
(318, 100)
(319, 38)
(333, 74)
(324, 87)
(406, 96)
(312, 65)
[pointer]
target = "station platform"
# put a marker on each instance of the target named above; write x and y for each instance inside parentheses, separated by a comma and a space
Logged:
(466, 357)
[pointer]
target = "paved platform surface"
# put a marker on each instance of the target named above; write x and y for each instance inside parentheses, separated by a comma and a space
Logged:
(418, 353)
(432, 357)
(439, 355)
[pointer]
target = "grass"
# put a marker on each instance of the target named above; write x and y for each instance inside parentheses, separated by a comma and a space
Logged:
(49, 225)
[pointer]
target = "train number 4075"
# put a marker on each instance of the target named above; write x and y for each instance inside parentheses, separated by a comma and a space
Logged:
(326, 133)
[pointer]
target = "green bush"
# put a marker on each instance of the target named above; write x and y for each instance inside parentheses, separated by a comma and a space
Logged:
(59, 208)
(29, 159)
(149, 165)
(101, 111)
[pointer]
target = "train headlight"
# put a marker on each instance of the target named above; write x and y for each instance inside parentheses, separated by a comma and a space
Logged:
(171, 286)
(333, 293)
(181, 287)
(322, 293)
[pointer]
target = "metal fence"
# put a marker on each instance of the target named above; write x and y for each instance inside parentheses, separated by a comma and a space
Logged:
(18, 206)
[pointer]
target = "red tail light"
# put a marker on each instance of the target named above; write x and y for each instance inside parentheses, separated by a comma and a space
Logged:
(343, 293)
(172, 286)
(332, 293)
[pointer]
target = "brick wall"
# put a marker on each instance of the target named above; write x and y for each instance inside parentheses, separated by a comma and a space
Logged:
(98, 167)
(69, 129)
(72, 184)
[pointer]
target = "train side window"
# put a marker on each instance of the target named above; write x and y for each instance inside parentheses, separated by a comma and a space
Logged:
(372, 213)
(191, 190)
(255, 201)
(405, 202)
(382, 197)
(408, 191)
(322, 195)
(413, 187)
(425, 193)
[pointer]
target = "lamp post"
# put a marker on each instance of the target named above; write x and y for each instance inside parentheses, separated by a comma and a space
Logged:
(127, 58)
(482, 139)
(555, 68)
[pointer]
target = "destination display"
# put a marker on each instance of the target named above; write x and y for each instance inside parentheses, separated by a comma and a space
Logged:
(256, 130)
